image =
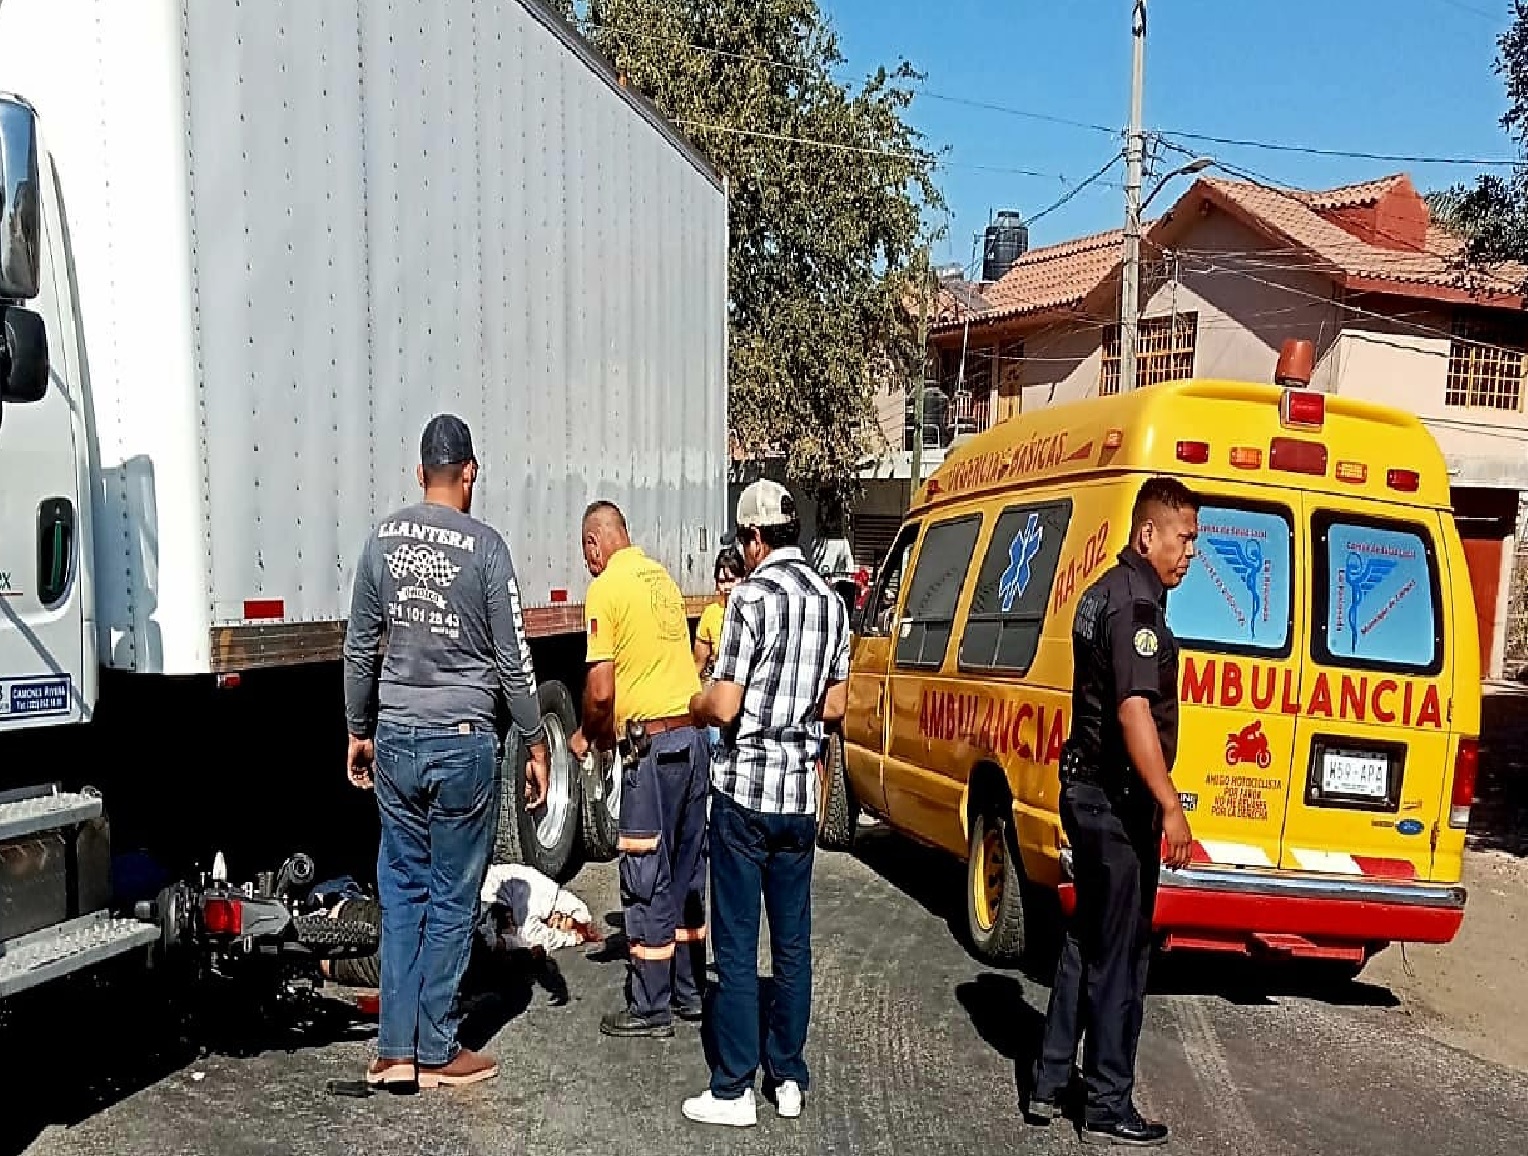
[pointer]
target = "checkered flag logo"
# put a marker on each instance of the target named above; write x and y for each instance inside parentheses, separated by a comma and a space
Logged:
(425, 563)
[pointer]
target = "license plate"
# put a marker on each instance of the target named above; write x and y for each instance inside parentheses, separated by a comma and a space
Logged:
(1349, 774)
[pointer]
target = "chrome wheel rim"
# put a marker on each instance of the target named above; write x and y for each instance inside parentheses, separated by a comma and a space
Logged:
(552, 817)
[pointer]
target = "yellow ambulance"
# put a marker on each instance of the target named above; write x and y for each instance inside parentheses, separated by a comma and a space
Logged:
(1330, 681)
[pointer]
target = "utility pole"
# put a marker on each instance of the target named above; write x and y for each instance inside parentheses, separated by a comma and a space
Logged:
(1135, 159)
(920, 380)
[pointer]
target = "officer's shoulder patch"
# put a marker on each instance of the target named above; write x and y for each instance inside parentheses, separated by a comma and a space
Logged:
(1146, 642)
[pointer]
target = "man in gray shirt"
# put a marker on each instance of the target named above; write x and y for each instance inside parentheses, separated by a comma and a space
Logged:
(435, 646)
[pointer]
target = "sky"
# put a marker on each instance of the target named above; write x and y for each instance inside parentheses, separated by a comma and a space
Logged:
(1406, 77)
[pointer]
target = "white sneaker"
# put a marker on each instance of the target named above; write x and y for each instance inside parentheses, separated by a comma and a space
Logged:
(707, 1109)
(788, 1099)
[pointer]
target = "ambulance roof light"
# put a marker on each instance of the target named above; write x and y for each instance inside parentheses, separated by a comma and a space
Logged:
(1297, 361)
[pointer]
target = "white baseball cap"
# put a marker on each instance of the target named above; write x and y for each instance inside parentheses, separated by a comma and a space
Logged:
(766, 503)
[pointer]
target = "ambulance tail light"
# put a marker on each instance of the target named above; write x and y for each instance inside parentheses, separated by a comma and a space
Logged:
(223, 916)
(1246, 457)
(1297, 456)
(1194, 453)
(1466, 768)
(1406, 481)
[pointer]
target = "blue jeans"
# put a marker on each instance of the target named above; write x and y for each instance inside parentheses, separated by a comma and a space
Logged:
(438, 795)
(753, 853)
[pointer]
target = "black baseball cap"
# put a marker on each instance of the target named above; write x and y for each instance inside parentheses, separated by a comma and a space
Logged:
(446, 442)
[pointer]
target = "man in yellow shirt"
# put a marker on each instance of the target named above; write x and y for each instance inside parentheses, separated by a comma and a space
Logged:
(640, 671)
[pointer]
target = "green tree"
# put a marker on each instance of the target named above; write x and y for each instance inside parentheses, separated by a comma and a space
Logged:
(829, 188)
(1493, 212)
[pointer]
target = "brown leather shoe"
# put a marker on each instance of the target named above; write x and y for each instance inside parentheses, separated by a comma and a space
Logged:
(466, 1067)
(383, 1073)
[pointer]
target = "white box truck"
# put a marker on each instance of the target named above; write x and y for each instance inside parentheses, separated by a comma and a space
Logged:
(246, 251)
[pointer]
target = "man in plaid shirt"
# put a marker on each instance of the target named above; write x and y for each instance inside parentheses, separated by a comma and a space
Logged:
(781, 673)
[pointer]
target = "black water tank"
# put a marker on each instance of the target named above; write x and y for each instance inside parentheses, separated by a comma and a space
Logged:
(1006, 240)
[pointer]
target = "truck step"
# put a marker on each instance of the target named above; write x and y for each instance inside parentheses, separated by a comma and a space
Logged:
(44, 809)
(29, 960)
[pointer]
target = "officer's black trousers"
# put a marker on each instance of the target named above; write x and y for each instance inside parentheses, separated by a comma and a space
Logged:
(1101, 976)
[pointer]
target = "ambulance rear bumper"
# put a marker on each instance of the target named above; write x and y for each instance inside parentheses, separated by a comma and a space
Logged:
(1294, 913)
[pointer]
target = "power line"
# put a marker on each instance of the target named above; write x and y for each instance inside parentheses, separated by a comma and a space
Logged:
(1463, 7)
(889, 154)
(1072, 192)
(1068, 122)
(1347, 154)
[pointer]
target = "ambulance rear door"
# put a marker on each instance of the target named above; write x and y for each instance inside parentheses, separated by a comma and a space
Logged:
(1238, 618)
(1373, 744)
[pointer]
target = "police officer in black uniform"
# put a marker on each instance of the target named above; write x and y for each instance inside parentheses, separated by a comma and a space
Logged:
(1117, 803)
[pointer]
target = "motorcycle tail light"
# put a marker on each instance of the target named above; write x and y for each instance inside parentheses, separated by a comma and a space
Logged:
(223, 916)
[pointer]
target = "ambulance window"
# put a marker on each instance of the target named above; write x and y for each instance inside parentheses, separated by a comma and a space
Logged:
(1377, 595)
(1013, 588)
(1236, 597)
(928, 617)
(881, 605)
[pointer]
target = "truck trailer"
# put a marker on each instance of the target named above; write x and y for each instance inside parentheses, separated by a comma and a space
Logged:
(246, 251)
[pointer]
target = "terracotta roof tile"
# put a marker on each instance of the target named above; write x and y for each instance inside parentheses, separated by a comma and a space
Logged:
(1351, 196)
(1053, 277)
(1291, 215)
(1063, 276)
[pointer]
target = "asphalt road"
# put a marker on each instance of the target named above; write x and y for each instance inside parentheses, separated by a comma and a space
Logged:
(914, 1049)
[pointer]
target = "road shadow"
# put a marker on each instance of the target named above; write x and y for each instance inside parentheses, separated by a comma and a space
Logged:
(1251, 981)
(1499, 817)
(76, 1047)
(936, 882)
(1006, 1021)
(499, 986)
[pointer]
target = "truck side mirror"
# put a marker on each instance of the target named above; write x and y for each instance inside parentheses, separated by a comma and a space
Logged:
(23, 356)
(20, 220)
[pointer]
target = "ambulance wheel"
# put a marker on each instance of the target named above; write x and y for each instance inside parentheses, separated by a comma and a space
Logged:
(602, 805)
(994, 890)
(837, 812)
(544, 838)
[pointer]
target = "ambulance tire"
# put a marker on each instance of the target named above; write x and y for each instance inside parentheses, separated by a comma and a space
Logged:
(995, 889)
(837, 811)
(547, 838)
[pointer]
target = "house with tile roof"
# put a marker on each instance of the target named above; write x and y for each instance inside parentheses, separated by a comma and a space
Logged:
(1228, 273)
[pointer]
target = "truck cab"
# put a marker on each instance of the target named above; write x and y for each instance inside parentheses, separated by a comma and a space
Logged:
(56, 890)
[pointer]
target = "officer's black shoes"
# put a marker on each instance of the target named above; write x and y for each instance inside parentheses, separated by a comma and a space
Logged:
(691, 1013)
(628, 1025)
(1130, 1131)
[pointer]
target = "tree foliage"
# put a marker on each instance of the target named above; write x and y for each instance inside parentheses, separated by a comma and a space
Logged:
(822, 233)
(1493, 212)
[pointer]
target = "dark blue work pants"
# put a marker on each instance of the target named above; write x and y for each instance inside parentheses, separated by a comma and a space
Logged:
(662, 847)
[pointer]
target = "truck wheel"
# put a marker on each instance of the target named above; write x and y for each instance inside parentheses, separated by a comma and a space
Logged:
(837, 812)
(602, 805)
(544, 838)
(994, 890)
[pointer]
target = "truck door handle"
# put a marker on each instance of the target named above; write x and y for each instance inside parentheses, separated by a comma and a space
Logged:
(55, 549)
